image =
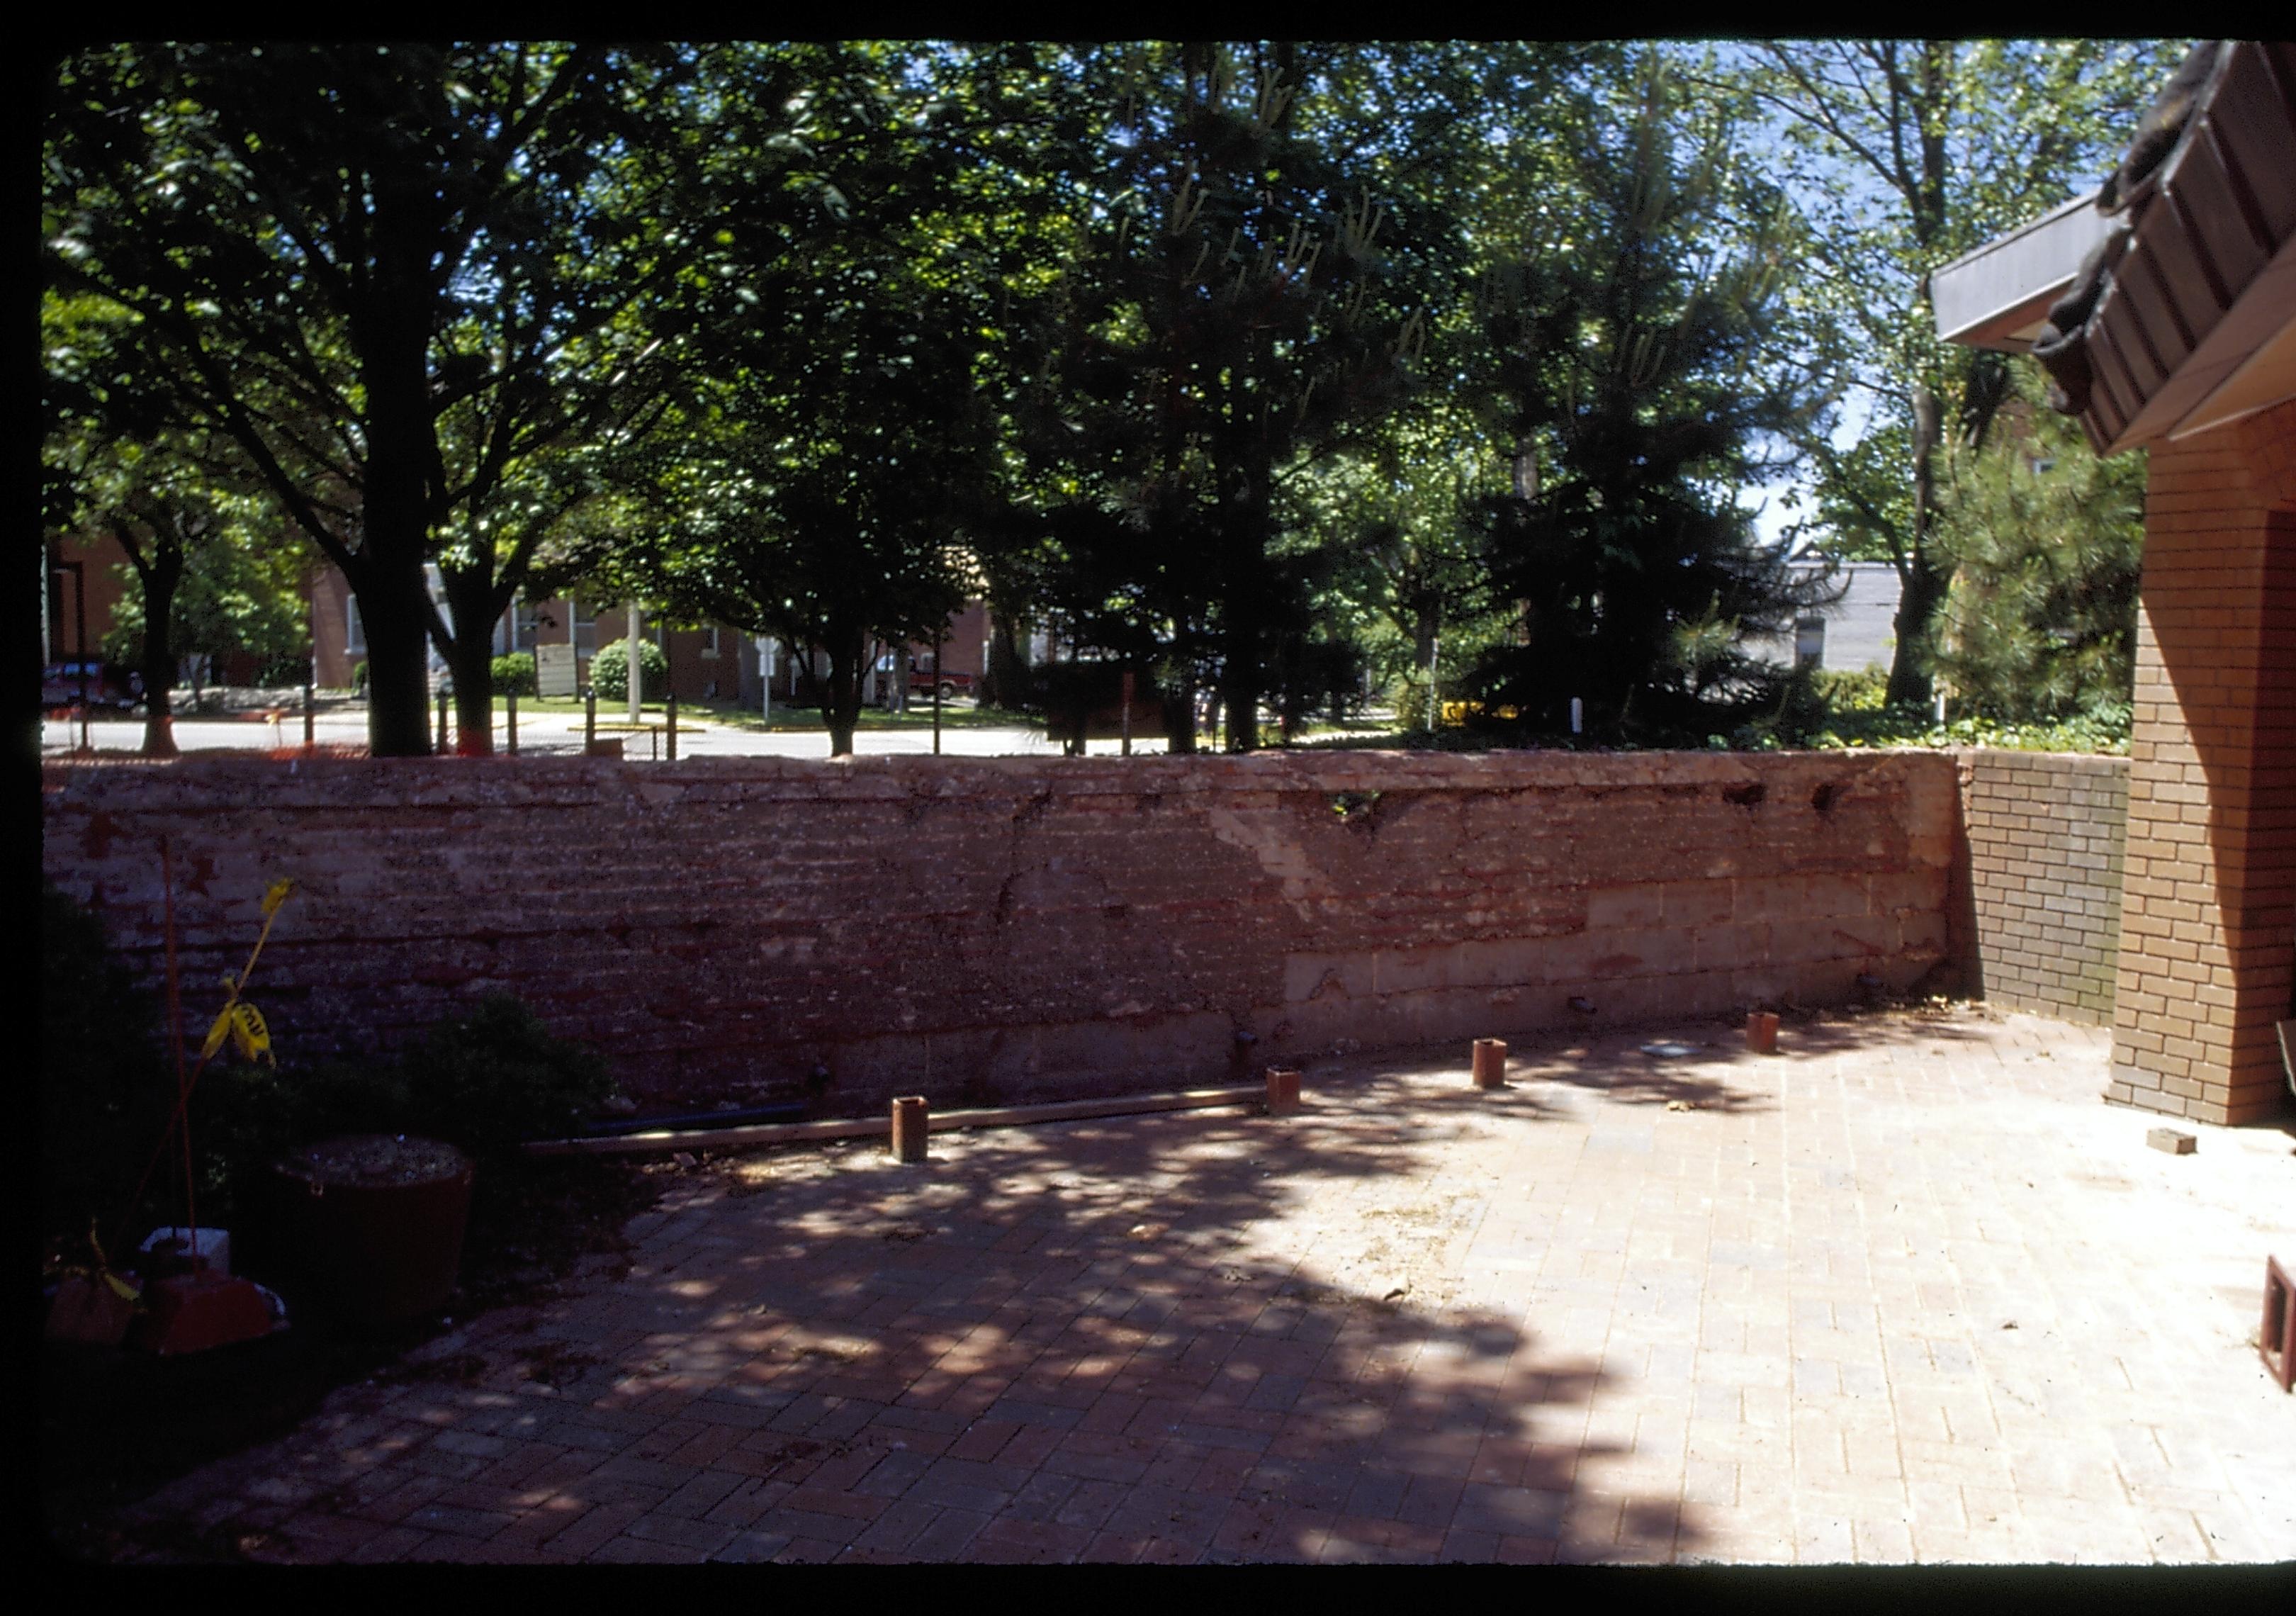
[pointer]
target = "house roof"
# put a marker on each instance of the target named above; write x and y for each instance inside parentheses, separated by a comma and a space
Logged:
(2183, 314)
(1998, 296)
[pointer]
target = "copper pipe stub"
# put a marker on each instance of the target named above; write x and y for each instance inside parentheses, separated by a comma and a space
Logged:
(1762, 1032)
(1283, 1092)
(1490, 1063)
(911, 1117)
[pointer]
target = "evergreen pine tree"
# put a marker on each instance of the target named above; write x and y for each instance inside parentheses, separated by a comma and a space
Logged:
(1631, 373)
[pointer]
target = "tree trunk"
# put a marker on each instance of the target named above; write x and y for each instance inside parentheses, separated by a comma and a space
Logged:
(1005, 682)
(391, 332)
(1180, 719)
(1241, 634)
(1921, 586)
(158, 574)
(840, 696)
(159, 580)
(397, 658)
(1922, 592)
(1426, 646)
(470, 657)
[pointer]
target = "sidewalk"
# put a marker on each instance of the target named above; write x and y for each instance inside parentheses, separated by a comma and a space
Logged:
(1907, 1291)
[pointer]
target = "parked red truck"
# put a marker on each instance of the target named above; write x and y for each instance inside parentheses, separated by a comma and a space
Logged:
(953, 683)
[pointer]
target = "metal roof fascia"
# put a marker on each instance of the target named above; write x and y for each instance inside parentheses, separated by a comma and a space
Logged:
(1994, 253)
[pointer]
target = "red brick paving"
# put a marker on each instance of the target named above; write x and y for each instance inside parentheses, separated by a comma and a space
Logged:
(1559, 1322)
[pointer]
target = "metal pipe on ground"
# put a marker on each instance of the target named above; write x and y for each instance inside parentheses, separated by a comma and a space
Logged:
(865, 1128)
(912, 1123)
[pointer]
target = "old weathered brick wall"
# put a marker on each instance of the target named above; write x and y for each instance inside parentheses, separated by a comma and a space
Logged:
(954, 926)
(2045, 833)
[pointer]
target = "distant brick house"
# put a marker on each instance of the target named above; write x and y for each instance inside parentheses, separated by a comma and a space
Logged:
(713, 663)
(103, 571)
(2165, 311)
(99, 561)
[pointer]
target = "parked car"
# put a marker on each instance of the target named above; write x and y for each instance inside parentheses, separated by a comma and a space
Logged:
(108, 685)
(953, 683)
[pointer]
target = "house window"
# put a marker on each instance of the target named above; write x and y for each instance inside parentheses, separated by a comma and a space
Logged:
(585, 628)
(353, 630)
(1810, 643)
(710, 641)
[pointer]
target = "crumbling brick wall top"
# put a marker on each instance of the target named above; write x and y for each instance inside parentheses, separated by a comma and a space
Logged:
(723, 927)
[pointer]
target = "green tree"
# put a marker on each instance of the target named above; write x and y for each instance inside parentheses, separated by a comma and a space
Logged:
(1645, 383)
(239, 590)
(2046, 543)
(818, 477)
(393, 275)
(1900, 155)
(180, 502)
(1410, 587)
(1233, 306)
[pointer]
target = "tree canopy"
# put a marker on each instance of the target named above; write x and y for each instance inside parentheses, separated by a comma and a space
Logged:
(1899, 156)
(1644, 389)
(1254, 367)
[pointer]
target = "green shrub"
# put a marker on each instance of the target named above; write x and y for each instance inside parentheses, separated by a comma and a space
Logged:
(1852, 690)
(287, 670)
(107, 1088)
(485, 1081)
(245, 1117)
(492, 1077)
(514, 675)
(610, 671)
(2103, 729)
(359, 676)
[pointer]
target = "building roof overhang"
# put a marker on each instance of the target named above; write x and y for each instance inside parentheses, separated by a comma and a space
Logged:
(2195, 284)
(1998, 296)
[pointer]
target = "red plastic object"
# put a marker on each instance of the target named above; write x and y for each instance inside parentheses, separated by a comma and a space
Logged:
(2277, 1341)
(193, 1312)
(86, 1309)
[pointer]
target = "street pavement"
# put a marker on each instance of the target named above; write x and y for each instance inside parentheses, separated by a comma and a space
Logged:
(558, 734)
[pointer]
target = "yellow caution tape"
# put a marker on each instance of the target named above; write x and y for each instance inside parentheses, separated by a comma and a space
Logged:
(217, 1033)
(249, 1036)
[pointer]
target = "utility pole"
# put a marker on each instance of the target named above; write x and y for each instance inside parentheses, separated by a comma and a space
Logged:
(79, 570)
(630, 644)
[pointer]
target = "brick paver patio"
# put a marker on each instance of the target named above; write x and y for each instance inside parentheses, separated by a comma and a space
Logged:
(1907, 1291)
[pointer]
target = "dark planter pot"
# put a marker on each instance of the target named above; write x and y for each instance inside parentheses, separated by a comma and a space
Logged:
(376, 1222)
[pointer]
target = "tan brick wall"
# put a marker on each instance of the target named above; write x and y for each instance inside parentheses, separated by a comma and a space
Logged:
(2208, 916)
(2045, 838)
(921, 924)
